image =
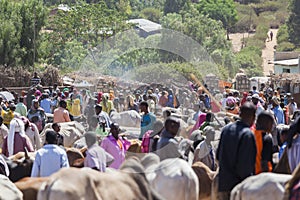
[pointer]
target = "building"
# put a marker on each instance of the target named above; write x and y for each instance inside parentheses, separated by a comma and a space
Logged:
(145, 27)
(286, 62)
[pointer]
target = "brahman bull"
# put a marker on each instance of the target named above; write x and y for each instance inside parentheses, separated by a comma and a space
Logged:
(169, 175)
(205, 177)
(93, 185)
(128, 118)
(9, 190)
(30, 186)
(71, 131)
(262, 186)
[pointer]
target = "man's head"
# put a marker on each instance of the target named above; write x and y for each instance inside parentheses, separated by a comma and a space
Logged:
(115, 129)
(98, 109)
(255, 99)
(12, 107)
(265, 121)
(21, 99)
(247, 113)
(51, 137)
(90, 139)
(144, 106)
(283, 132)
(209, 117)
(254, 88)
(35, 103)
(210, 133)
(63, 104)
(56, 127)
(172, 125)
(275, 102)
(1, 120)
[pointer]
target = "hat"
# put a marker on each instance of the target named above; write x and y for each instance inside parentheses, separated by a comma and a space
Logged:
(157, 127)
(275, 100)
(12, 105)
(256, 96)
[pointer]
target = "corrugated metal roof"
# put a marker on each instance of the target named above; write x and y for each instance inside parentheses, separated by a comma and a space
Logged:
(146, 25)
(290, 62)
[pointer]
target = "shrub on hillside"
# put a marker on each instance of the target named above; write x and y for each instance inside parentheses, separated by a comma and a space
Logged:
(266, 6)
(285, 46)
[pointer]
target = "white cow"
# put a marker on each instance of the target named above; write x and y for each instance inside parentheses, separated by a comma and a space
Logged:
(263, 186)
(9, 190)
(128, 118)
(71, 131)
(172, 178)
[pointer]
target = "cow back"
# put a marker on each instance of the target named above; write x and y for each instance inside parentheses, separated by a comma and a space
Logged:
(8, 190)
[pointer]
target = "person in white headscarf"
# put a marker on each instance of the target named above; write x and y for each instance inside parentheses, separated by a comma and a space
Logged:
(17, 140)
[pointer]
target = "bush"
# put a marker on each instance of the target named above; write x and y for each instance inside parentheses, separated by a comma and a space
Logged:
(282, 34)
(151, 14)
(266, 6)
(250, 60)
(285, 46)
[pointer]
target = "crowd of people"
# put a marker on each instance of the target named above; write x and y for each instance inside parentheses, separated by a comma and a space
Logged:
(246, 147)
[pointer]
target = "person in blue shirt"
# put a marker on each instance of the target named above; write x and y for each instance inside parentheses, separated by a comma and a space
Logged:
(148, 119)
(46, 103)
(278, 112)
(283, 132)
(49, 159)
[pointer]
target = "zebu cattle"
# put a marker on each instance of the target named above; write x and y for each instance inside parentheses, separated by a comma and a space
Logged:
(169, 175)
(93, 185)
(30, 186)
(262, 186)
(205, 177)
(9, 190)
(71, 131)
(128, 118)
(20, 165)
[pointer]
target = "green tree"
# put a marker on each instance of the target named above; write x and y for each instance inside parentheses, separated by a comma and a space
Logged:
(21, 23)
(175, 6)
(78, 31)
(33, 16)
(152, 14)
(293, 22)
(223, 10)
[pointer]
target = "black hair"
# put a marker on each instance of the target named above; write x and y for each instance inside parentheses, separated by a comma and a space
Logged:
(51, 137)
(62, 103)
(54, 125)
(247, 110)
(263, 119)
(144, 103)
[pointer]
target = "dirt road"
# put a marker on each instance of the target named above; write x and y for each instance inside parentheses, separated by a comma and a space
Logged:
(268, 53)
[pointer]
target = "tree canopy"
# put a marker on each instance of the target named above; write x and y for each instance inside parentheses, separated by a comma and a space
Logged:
(223, 10)
(293, 22)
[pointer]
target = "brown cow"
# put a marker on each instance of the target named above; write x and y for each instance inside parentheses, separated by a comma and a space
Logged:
(206, 177)
(30, 186)
(76, 157)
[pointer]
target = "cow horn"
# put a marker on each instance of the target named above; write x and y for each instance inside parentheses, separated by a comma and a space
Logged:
(26, 153)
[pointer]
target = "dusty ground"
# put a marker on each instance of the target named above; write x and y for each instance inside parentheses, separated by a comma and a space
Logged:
(268, 53)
